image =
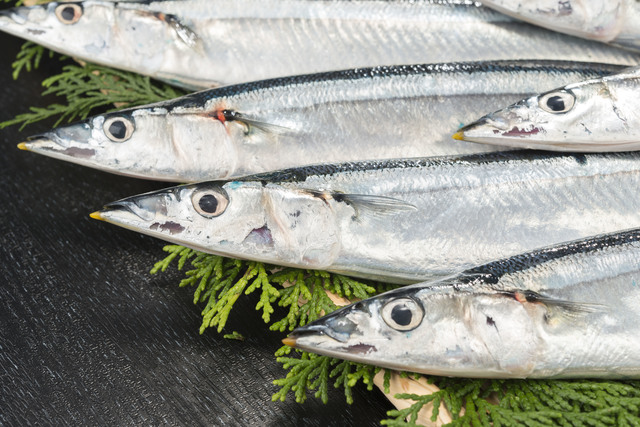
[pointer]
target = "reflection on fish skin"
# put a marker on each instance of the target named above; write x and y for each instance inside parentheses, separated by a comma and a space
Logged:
(611, 21)
(402, 221)
(332, 117)
(567, 311)
(595, 115)
(209, 43)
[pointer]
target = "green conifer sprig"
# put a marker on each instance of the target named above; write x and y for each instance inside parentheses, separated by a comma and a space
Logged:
(219, 282)
(528, 402)
(29, 58)
(86, 88)
(312, 372)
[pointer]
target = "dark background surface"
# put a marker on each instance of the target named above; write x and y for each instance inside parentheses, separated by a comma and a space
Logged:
(88, 336)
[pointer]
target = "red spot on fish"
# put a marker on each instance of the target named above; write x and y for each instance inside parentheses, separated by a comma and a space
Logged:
(520, 297)
(220, 115)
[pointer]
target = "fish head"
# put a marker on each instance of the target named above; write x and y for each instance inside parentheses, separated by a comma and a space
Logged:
(600, 20)
(241, 219)
(72, 28)
(434, 330)
(595, 115)
(148, 142)
(118, 34)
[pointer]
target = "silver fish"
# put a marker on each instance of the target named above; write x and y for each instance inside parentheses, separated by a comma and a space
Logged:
(567, 311)
(609, 21)
(596, 115)
(402, 220)
(295, 121)
(207, 43)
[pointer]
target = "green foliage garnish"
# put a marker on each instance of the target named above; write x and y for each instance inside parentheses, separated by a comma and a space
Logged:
(219, 282)
(313, 372)
(29, 58)
(87, 88)
(234, 336)
(528, 402)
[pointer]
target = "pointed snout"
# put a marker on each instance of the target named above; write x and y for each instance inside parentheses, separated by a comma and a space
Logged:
(15, 20)
(52, 145)
(336, 326)
(483, 130)
(70, 143)
(142, 207)
(17, 15)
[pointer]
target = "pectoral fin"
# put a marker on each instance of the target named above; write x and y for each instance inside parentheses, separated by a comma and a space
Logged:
(184, 33)
(367, 204)
(381, 205)
(264, 126)
(557, 307)
(251, 124)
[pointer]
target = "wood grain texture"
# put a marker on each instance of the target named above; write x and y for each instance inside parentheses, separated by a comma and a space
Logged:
(88, 336)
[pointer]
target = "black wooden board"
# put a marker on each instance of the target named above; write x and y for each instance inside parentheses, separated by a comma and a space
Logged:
(89, 337)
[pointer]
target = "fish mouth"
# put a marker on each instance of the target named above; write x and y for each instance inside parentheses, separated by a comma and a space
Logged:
(315, 331)
(336, 326)
(17, 20)
(16, 15)
(496, 130)
(115, 210)
(146, 207)
(49, 145)
(326, 340)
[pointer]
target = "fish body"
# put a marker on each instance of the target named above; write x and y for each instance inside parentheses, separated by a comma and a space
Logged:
(566, 311)
(402, 221)
(610, 21)
(595, 115)
(295, 121)
(208, 43)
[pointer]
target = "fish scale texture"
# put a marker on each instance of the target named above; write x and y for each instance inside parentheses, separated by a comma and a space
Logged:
(88, 337)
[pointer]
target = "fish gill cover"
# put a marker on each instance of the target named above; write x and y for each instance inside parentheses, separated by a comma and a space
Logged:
(304, 295)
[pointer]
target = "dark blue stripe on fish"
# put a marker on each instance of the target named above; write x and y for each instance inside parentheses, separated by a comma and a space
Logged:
(302, 173)
(492, 272)
(198, 99)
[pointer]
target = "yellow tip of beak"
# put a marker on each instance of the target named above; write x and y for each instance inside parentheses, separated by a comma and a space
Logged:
(291, 342)
(23, 146)
(458, 136)
(96, 215)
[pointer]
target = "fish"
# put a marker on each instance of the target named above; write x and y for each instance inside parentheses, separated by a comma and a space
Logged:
(210, 43)
(332, 117)
(594, 115)
(400, 221)
(566, 311)
(609, 21)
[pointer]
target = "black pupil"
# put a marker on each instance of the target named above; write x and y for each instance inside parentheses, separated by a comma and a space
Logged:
(401, 314)
(118, 129)
(208, 203)
(555, 103)
(68, 13)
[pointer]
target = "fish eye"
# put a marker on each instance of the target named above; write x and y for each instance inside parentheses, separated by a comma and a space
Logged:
(69, 13)
(402, 314)
(210, 203)
(557, 102)
(118, 129)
